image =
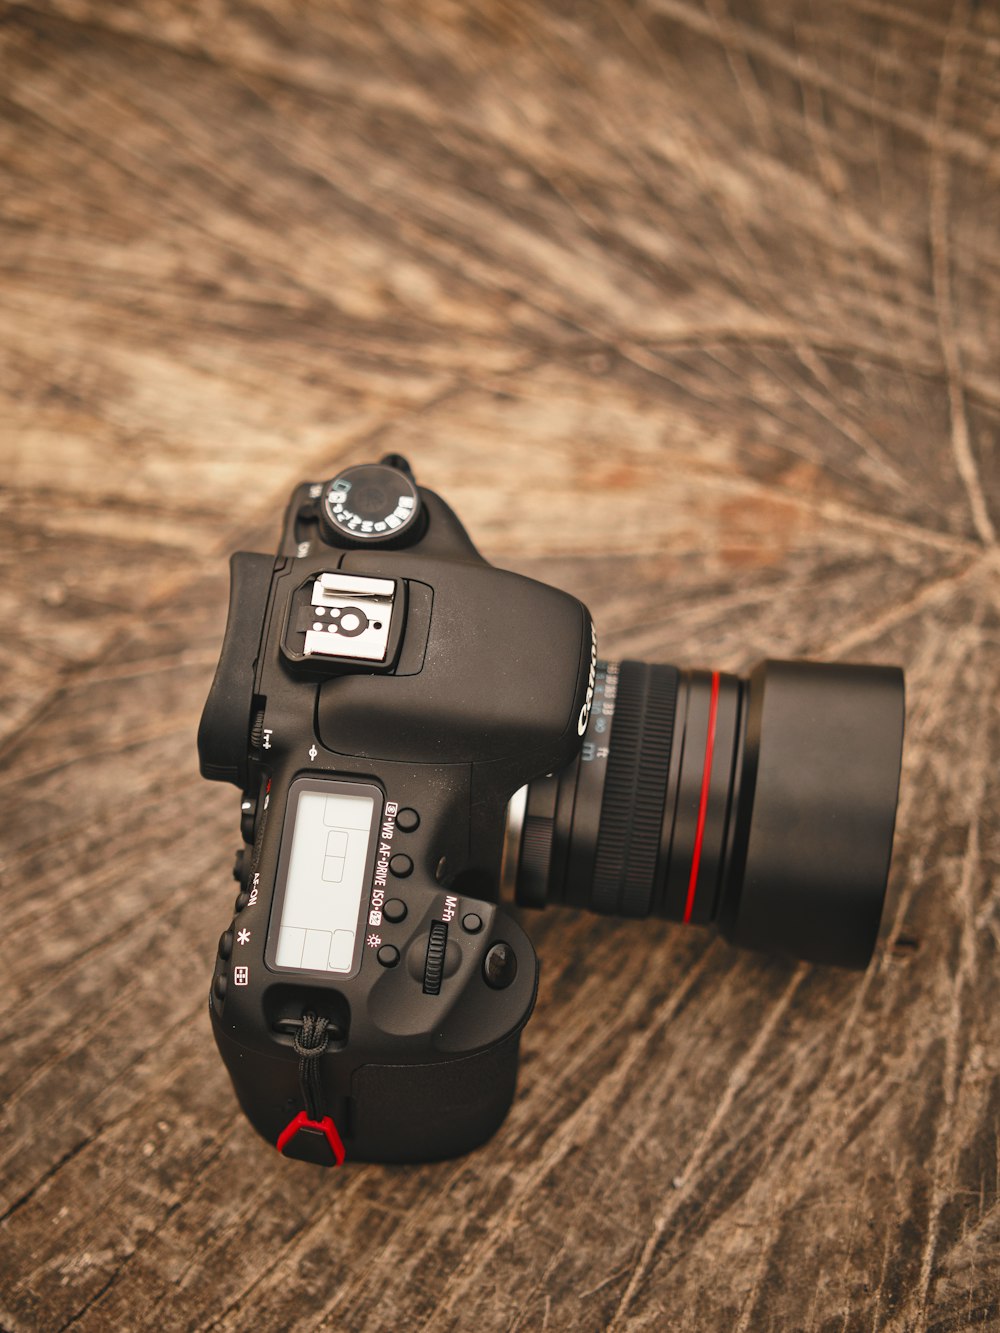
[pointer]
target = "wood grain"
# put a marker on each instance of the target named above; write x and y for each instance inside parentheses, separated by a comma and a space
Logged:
(690, 308)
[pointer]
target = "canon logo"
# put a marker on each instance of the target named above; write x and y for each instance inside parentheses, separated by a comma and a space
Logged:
(584, 717)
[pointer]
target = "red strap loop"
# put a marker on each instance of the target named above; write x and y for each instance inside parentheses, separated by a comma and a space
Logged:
(326, 1125)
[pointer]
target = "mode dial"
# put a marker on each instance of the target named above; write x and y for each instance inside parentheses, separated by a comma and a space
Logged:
(375, 504)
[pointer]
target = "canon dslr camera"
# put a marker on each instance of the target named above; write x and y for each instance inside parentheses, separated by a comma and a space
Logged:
(409, 727)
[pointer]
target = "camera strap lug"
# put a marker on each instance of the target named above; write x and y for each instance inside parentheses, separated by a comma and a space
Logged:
(319, 1136)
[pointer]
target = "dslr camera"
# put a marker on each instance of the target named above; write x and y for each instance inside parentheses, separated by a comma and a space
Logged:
(420, 737)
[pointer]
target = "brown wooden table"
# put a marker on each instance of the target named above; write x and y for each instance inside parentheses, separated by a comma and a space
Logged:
(689, 308)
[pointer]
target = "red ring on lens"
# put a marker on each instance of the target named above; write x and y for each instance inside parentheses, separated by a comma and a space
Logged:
(706, 781)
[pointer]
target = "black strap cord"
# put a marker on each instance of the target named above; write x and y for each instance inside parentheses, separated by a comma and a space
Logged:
(310, 1043)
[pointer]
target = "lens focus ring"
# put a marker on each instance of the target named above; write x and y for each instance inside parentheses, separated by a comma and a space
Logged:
(635, 789)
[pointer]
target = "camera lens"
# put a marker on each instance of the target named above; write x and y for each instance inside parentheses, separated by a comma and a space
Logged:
(764, 806)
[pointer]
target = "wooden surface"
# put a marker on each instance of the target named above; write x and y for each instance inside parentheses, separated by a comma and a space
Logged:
(691, 308)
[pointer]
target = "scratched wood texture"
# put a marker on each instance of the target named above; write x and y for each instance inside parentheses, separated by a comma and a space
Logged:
(692, 308)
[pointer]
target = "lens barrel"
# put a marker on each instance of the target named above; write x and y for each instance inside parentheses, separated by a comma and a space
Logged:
(765, 806)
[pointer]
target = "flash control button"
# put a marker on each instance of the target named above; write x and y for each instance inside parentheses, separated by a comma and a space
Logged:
(394, 910)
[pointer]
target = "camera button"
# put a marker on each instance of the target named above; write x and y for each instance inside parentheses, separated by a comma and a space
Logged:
(472, 922)
(388, 955)
(394, 909)
(220, 986)
(401, 865)
(241, 901)
(371, 504)
(407, 820)
(225, 944)
(500, 966)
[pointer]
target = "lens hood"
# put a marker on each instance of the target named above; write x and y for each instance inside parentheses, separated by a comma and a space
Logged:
(816, 810)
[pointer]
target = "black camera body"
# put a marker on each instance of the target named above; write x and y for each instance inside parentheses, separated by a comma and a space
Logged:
(392, 775)
(409, 724)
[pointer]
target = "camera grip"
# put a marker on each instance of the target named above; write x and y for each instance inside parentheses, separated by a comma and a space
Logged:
(423, 1113)
(396, 1112)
